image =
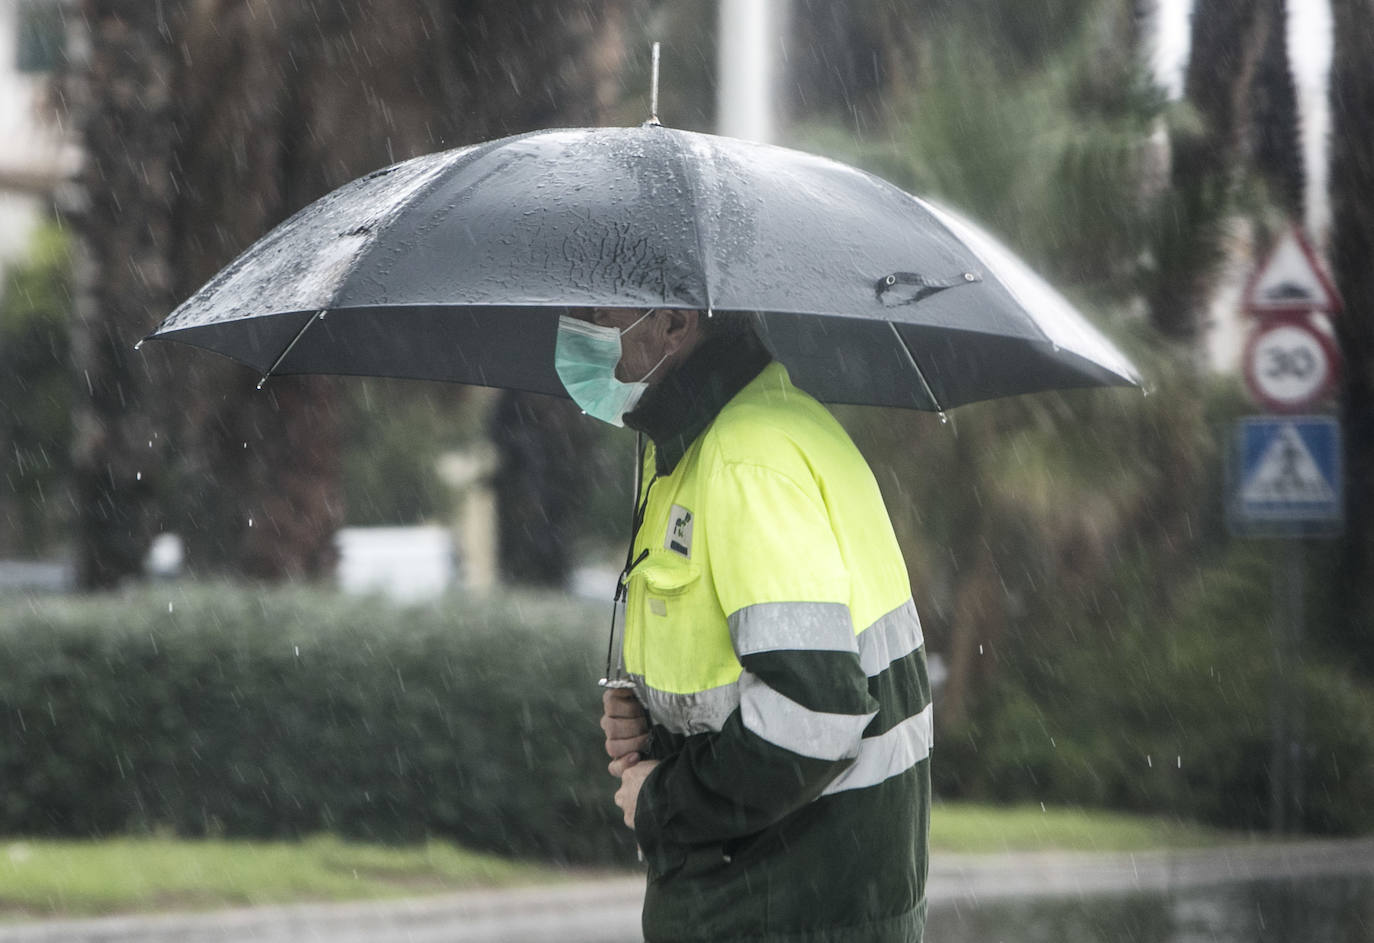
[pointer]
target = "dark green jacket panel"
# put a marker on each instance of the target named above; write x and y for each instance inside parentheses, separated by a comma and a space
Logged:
(847, 867)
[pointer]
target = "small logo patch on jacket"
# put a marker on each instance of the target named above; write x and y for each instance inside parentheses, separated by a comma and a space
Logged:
(679, 538)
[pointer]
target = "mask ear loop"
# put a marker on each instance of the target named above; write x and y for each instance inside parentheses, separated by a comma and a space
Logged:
(636, 324)
(654, 367)
(660, 359)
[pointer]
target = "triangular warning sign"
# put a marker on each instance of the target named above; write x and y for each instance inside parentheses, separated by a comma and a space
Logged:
(1291, 280)
(1286, 473)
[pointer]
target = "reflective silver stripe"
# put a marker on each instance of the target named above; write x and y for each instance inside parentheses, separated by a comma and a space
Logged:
(686, 714)
(887, 755)
(894, 636)
(792, 626)
(785, 723)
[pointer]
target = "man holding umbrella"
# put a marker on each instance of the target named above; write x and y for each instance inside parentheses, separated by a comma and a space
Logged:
(779, 783)
(774, 759)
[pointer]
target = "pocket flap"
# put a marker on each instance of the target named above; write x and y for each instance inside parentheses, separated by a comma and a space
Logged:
(667, 574)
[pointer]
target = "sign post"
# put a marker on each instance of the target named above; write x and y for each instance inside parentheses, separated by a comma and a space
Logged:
(1286, 479)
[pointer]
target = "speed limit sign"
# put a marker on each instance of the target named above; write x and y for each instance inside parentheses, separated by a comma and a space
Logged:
(1290, 364)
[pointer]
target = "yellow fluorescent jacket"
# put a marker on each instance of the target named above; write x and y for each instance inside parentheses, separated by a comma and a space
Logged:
(771, 635)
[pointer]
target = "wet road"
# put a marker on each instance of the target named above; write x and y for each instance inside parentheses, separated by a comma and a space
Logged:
(607, 910)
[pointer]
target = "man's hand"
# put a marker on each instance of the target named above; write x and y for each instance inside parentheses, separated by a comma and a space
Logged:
(624, 722)
(632, 772)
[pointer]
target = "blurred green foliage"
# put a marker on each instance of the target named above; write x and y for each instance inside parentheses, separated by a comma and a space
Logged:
(395, 432)
(208, 710)
(35, 397)
(1164, 704)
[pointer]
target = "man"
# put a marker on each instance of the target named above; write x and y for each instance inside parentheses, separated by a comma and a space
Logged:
(778, 784)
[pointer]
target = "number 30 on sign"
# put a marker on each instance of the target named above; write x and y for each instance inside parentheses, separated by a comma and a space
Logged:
(1290, 364)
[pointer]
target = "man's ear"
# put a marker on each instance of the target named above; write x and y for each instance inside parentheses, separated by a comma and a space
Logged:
(680, 326)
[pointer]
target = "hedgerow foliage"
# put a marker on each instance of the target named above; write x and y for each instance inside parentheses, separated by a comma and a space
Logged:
(223, 711)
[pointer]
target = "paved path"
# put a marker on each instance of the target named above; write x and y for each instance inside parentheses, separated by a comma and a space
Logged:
(607, 910)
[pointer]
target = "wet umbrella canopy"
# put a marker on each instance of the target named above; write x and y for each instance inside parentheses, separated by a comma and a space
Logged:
(454, 266)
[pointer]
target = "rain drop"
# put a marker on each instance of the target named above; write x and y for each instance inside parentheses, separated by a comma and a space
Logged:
(250, 521)
(1149, 761)
(169, 606)
(980, 649)
(1180, 762)
(138, 476)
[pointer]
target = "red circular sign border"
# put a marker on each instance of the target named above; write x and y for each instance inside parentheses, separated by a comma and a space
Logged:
(1302, 322)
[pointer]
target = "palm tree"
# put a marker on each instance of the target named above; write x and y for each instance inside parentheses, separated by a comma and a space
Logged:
(1209, 158)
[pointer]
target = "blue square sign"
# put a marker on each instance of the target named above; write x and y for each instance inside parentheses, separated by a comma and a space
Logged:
(1286, 477)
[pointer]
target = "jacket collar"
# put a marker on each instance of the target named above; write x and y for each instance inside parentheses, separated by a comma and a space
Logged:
(674, 411)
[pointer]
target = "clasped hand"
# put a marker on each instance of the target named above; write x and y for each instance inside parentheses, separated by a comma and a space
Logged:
(627, 735)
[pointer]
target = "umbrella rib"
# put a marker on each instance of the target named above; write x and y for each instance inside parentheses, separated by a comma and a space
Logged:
(911, 359)
(696, 226)
(317, 316)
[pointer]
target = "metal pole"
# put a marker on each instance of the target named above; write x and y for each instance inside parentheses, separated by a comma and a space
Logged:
(1296, 721)
(1286, 750)
(1278, 706)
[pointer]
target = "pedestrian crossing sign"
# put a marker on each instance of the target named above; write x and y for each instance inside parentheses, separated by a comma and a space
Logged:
(1286, 476)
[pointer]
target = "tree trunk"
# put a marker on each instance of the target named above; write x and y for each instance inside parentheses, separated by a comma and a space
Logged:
(1352, 198)
(1229, 39)
(1278, 142)
(123, 105)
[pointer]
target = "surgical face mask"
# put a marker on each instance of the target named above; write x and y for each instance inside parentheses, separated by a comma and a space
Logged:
(585, 356)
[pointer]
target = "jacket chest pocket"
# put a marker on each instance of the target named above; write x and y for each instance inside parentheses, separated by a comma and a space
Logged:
(665, 583)
(659, 592)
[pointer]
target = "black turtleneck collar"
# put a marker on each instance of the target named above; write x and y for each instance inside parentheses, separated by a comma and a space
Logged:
(674, 411)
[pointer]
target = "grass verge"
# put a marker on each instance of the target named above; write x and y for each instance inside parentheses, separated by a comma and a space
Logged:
(43, 878)
(983, 829)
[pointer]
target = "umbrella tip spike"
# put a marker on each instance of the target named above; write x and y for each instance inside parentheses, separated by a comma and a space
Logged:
(944, 418)
(139, 345)
(653, 84)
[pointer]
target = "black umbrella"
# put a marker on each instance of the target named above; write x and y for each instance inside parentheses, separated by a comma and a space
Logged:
(454, 266)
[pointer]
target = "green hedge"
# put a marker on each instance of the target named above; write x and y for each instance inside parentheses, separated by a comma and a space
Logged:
(223, 711)
(1165, 706)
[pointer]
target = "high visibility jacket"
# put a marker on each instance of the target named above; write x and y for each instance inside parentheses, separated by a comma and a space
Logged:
(772, 637)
